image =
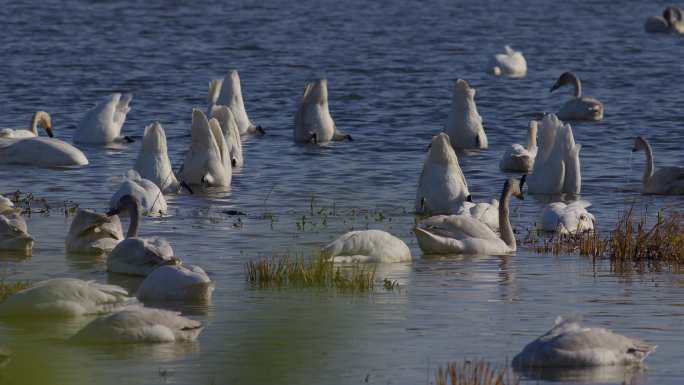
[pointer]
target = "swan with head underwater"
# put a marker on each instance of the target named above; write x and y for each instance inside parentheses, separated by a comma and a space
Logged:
(93, 233)
(464, 123)
(665, 180)
(228, 92)
(313, 123)
(463, 234)
(519, 158)
(672, 21)
(567, 218)
(153, 161)
(511, 64)
(231, 133)
(367, 246)
(40, 119)
(207, 162)
(102, 124)
(580, 107)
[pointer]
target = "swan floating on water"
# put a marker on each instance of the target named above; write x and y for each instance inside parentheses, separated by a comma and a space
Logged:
(511, 64)
(207, 162)
(580, 107)
(665, 180)
(176, 283)
(228, 92)
(464, 123)
(40, 118)
(463, 234)
(519, 158)
(557, 164)
(64, 298)
(153, 161)
(41, 152)
(139, 325)
(672, 21)
(313, 123)
(367, 246)
(93, 233)
(231, 134)
(569, 344)
(151, 199)
(135, 255)
(487, 213)
(441, 186)
(102, 124)
(14, 235)
(565, 218)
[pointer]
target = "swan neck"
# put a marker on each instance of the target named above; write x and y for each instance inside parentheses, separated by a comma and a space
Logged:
(578, 86)
(504, 223)
(532, 137)
(34, 123)
(133, 227)
(648, 171)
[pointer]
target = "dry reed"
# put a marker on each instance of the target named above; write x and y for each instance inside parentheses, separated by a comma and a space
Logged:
(474, 373)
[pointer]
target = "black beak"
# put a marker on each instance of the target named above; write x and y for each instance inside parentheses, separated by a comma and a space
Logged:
(233, 162)
(469, 198)
(634, 150)
(49, 132)
(555, 87)
(260, 130)
(113, 212)
(350, 138)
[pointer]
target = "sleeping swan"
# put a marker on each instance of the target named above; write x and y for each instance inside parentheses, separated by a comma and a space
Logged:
(512, 64)
(135, 255)
(565, 218)
(65, 297)
(14, 235)
(93, 233)
(569, 344)
(40, 151)
(40, 118)
(672, 21)
(207, 162)
(102, 124)
(463, 234)
(367, 246)
(313, 123)
(176, 283)
(579, 107)
(153, 161)
(519, 158)
(147, 193)
(464, 123)
(664, 181)
(441, 186)
(228, 92)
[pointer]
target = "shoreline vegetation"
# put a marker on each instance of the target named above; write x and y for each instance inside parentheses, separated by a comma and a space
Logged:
(9, 288)
(474, 373)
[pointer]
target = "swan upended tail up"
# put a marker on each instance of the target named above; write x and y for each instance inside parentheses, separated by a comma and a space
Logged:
(153, 161)
(40, 118)
(579, 107)
(207, 162)
(464, 123)
(312, 122)
(665, 180)
(571, 218)
(93, 233)
(102, 124)
(519, 158)
(228, 92)
(367, 246)
(231, 133)
(511, 64)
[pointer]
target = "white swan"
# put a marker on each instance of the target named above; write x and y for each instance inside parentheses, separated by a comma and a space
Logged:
(519, 158)
(463, 234)
(139, 325)
(672, 21)
(145, 191)
(135, 255)
(464, 123)
(580, 107)
(487, 213)
(41, 152)
(569, 344)
(557, 164)
(564, 218)
(65, 297)
(153, 159)
(512, 63)
(313, 122)
(441, 186)
(207, 162)
(367, 246)
(176, 283)
(40, 118)
(14, 233)
(5, 203)
(228, 92)
(93, 233)
(664, 181)
(102, 124)
(231, 134)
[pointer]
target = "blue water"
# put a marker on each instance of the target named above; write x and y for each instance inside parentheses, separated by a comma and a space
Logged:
(390, 68)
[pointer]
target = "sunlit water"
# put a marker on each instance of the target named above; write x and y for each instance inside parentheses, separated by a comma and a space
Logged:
(391, 69)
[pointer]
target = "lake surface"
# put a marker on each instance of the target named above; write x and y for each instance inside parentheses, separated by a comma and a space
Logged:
(390, 68)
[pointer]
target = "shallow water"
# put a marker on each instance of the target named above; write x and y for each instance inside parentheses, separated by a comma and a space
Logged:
(390, 69)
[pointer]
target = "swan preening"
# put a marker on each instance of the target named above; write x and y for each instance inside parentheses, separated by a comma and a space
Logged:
(580, 107)
(313, 123)
(565, 218)
(367, 246)
(40, 118)
(442, 187)
(207, 162)
(14, 235)
(65, 297)
(464, 123)
(519, 158)
(102, 124)
(228, 92)
(569, 344)
(93, 233)
(231, 133)
(664, 181)
(672, 21)
(557, 164)
(463, 234)
(511, 64)
(176, 283)
(135, 255)
(147, 193)
(153, 162)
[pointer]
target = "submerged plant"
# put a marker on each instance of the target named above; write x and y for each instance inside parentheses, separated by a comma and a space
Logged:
(474, 373)
(7, 289)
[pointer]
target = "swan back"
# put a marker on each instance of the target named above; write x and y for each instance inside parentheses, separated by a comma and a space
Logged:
(14, 233)
(102, 124)
(140, 256)
(512, 63)
(231, 96)
(367, 246)
(149, 195)
(176, 283)
(464, 123)
(567, 218)
(95, 233)
(42, 152)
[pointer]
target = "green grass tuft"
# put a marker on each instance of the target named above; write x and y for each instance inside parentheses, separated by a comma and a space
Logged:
(7, 289)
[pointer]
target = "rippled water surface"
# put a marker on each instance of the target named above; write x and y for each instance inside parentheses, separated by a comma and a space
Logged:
(390, 67)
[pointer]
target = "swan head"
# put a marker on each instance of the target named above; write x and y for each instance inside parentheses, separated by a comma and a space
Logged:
(42, 119)
(126, 204)
(515, 187)
(640, 144)
(440, 150)
(566, 78)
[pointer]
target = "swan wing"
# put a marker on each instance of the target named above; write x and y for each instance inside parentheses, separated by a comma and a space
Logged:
(457, 227)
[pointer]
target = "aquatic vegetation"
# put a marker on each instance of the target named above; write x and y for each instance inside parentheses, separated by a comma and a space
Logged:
(29, 204)
(474, 373)
(7, 289)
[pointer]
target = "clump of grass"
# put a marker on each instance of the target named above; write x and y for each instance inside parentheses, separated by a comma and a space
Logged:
(474, 373)
(7, 289)
(319, 272)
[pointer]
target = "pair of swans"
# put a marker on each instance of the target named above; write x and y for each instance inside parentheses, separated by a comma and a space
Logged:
(312, 122)
(228, 92)
(102, 124)
(14, 235)
(672, 21)
(557, 164)
(367, 246)
(665, 180)
(570, 218)
(511, 63)
(464, 234)
(580, 107)
(521, 158)
(464, 123)
(208, 161)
